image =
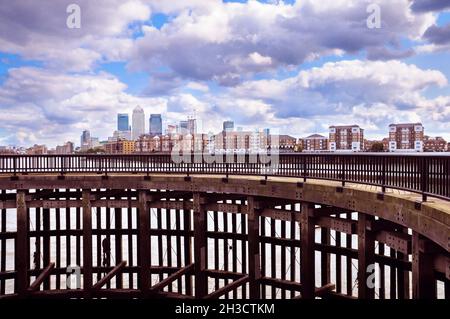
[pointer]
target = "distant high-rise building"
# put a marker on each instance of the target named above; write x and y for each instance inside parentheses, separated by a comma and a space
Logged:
(346, 138)
(138, 123)
(228, 126)
(123, 122)
(266, 131)
(183, 127)
(171, 129)
(192, 126)
(406, 137)
(85, 138)
(67, 148)
(155, 124)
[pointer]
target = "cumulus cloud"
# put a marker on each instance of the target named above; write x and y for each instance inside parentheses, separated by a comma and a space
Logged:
(54, 106)
(430, 5)
(371, 92)
(438, 35)
(38, 31)
(225, 42)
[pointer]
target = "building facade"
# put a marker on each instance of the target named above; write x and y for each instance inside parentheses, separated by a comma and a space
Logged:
(314, 143)
(346, 138)
(120, 147)
(155, 124)
(37, 150)
(435, 144)
(228, 126)
(285, 143)
(183, 128)
(85, 140)
(406, 137)
(138, 123)
(123, 123)
(67, 148)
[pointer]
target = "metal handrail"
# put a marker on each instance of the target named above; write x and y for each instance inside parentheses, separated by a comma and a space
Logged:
(426, 174)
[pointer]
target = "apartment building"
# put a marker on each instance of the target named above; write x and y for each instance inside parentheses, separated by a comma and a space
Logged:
(346, 138)
(407, 137)
(434, 144)
(314, 143)
(120, 147)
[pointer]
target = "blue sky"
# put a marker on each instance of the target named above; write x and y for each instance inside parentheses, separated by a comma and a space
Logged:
(295, 67)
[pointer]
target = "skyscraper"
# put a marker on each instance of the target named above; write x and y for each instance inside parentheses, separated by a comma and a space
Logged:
(85, 138)
(138, 123)
(123, 122)
(155, 124)
(192, 126)
(228, 126)
(183, 127)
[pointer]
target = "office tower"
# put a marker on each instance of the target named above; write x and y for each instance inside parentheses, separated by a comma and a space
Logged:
(123, 122)
(192, 126)
(183, 127)
(406, 137)
(155, 124)
(138, 123)
(346, 138)
(228, 126)
(85, 138)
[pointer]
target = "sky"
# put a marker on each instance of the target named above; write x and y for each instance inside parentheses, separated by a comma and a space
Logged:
(296, 67)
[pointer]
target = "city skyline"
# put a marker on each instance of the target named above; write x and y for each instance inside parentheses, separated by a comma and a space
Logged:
(257, 63)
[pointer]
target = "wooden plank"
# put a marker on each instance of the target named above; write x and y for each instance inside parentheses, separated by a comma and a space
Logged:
(423, 280)
(280, 283)
(118, 242)
(44, 275)
(338, 224)
(307, 258)
(87, 243)
(187, 250)
(175, 276)
(200, 247)
(21, 247)
(254, 270)
(144, 243)
(115, 271)
(396, 240)
(226, 289)
(366, 252)
(324, 257)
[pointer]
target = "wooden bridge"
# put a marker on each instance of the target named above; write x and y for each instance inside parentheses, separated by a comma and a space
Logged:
(296, 226)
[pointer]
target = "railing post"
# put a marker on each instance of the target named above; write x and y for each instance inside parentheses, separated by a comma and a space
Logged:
(21, 250)
(344, 167)
(307, 259)
(423, 280)
(383, 177)
(200, 247)
(366, 255)
(15, 166)
(305, 171)
(106, 165)
(254, 262)
(62, 165)
(226, 169)
(144, 243)
(87, 242)
(424, 178)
